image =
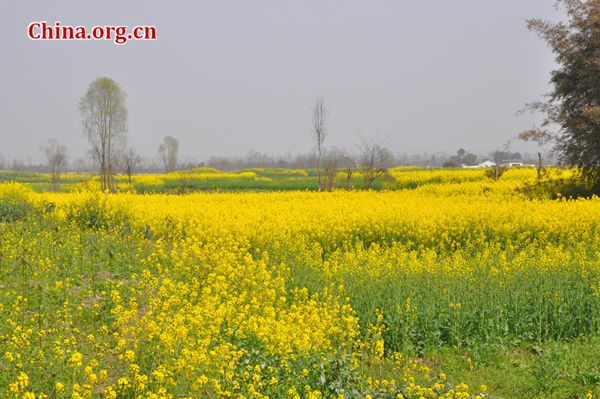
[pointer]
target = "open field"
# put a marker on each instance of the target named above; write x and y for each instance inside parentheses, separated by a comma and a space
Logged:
(263, 179)
(451, 285)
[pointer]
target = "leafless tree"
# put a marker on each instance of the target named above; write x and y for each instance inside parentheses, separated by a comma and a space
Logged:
(319, 131)
(17, 165)
(56, 156)
(168, 152)
(130, 160)
(348, 171)
(104, 119)
(330, 167)
(335, 160)
(373, 157)
(541, 138)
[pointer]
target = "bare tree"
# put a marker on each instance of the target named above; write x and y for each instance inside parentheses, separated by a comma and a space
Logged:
(330, 167)
(104, 119)
(130, 161)
(56, 156)
(168, 152)
(334, 160)
(541, 138)
(319, 125)
(348, 171)
(373, 157)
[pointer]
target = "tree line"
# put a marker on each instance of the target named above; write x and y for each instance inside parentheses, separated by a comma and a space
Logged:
(104, 121)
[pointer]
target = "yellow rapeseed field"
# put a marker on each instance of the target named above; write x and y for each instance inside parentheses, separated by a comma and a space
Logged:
(284, 295)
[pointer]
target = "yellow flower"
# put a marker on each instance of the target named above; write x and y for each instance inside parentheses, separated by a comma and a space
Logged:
(462, 387)
(22, 381)
(76, 359)
(379, 348)
(129, 356)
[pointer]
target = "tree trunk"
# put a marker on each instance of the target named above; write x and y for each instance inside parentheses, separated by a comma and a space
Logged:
(539, 168)
(319, 168)
(103, 172)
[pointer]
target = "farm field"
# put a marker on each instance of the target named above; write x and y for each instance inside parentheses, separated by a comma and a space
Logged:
(442, 284)
(262, 179)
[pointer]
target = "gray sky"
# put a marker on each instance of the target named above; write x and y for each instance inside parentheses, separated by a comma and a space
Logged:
(227, 77)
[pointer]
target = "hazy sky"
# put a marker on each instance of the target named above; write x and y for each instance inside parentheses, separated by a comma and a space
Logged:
(227, 77)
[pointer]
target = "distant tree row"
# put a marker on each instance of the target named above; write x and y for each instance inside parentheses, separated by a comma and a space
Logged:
(104, 119)
(130, 161)
(462, 157)
(253, 159)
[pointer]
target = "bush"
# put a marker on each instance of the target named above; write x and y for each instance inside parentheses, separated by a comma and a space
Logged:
(495, 172)
(559, 188)
(96, 211)
(15, 202)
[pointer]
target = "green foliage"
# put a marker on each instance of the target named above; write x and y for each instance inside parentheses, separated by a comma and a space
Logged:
(95, 212)
(572, 104)
(15, 203)
(434, 310)
(558, 188)
(535, 371)
(452, 163)
(494, 173)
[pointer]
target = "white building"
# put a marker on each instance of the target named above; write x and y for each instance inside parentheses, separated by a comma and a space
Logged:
(487, 164)
(484, 164)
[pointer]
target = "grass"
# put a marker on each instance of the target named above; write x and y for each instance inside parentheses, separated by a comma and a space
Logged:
(537, 371)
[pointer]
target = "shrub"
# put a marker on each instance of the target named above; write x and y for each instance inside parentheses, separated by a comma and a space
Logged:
(557, 188)
(495, 172)
(96, 211)
(15, 202)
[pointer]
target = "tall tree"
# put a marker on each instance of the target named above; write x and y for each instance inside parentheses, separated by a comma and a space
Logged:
(573, 105)
(168, 151)
(56, 156)
(104, 118)
(319, 131)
